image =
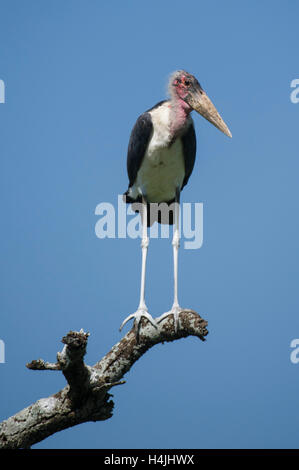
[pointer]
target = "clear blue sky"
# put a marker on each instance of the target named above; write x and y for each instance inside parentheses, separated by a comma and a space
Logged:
(77, 75)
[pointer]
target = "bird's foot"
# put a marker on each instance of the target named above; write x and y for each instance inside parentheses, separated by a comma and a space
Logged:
(141, 312)
(175, 311)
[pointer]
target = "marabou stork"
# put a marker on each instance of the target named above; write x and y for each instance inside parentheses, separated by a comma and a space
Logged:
(160, 160)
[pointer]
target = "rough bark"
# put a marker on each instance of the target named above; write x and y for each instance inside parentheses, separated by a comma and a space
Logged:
(85, 397)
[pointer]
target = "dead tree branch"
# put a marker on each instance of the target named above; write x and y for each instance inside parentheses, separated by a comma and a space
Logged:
(85, 397)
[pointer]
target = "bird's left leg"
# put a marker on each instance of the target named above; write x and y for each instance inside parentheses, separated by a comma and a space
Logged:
(176, 309)
(142, 310)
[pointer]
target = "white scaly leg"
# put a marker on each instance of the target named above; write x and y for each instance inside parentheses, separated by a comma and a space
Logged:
(176, 309)
(142, 310)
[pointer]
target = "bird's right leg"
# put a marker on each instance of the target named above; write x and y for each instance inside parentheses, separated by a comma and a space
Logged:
(142, 310)
(176, 309)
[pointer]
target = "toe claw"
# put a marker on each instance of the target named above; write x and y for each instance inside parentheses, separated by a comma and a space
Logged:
(164, 315)
(126, 321)
(150, 319)
(137, 318)
(175, 311)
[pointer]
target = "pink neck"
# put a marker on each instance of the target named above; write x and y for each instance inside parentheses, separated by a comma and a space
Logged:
(180, 111)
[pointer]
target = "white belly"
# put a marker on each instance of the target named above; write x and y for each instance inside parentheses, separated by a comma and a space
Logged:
(161, 172)
(163, 168)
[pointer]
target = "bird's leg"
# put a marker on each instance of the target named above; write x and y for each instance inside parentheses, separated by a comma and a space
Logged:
(142, 308)
(176, 309)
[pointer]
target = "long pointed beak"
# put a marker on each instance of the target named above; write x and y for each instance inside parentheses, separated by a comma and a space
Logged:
(201, 103)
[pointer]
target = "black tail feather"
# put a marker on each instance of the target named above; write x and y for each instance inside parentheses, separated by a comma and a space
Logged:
(161, 213)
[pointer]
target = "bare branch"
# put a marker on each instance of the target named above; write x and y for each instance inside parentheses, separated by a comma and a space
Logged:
(40, 364)
(86, 396)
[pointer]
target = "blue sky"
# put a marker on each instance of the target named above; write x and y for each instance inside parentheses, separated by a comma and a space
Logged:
(77, 75)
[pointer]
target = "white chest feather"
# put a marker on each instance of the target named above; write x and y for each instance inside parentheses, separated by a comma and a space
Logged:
(163, 168)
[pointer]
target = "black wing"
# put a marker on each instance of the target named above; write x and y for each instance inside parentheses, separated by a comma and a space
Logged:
(138, 143)
(189, 151)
